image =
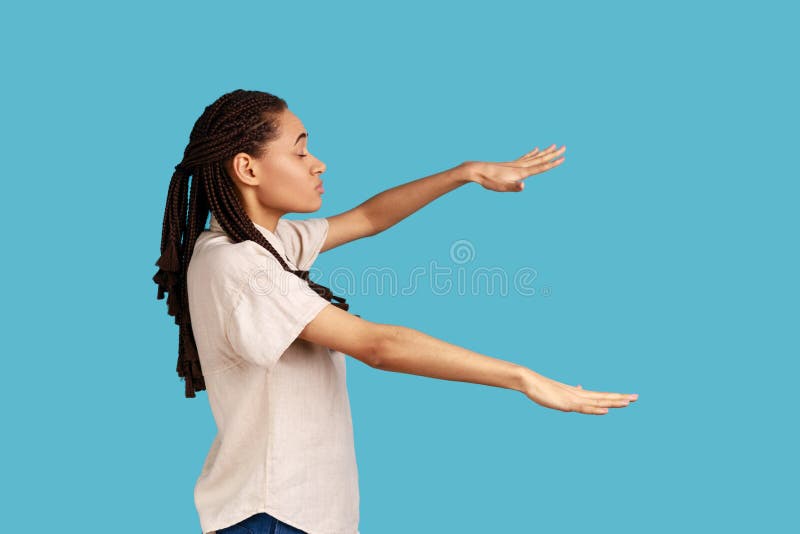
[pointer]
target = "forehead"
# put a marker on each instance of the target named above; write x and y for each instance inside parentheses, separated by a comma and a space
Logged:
(291, 125)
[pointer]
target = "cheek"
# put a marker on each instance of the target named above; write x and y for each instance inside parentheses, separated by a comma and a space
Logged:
(288, 186)
(281, 175)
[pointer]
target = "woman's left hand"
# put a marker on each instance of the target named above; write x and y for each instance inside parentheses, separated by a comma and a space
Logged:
(507, 176)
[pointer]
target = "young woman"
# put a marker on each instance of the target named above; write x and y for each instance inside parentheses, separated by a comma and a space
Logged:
(268, 343)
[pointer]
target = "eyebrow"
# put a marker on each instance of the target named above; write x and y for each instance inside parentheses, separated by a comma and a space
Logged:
(304, 134)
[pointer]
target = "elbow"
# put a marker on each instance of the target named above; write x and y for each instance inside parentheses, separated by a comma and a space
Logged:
(385, 346)
(370, 224)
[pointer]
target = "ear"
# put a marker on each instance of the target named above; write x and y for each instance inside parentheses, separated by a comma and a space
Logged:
(240, 168)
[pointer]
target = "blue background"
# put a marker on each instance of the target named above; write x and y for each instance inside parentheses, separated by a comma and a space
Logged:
(665, 248)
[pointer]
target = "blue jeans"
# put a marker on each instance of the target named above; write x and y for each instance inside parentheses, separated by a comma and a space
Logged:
(262, 523)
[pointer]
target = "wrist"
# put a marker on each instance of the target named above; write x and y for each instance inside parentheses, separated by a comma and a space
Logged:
(467, 172)
(528, 378)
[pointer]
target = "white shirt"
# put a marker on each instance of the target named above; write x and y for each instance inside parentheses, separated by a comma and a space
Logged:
(284, 442)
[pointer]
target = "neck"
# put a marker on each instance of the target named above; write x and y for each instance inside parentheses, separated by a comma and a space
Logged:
(266, 217)
(258, 213)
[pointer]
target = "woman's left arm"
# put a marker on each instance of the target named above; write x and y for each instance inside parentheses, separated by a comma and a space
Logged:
(386, 209)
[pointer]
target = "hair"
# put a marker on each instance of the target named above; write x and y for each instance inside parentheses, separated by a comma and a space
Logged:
(239, 121)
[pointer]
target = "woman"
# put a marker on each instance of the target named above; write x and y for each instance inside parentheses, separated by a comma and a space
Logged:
(269, 344)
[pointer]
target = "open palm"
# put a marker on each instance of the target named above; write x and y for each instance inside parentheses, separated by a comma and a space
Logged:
(508, 175)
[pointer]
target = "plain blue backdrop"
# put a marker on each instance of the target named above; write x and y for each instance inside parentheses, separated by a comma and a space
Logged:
(665, 250)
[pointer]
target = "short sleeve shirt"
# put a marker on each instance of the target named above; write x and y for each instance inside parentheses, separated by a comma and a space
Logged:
(284, 442)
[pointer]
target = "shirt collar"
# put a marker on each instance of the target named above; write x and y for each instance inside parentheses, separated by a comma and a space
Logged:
(273, 239)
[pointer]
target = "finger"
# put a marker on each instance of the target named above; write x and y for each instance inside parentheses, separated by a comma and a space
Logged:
(621, 399)
(534, 158)
(549, 154)
(601, 406)
(612, 403)
(608, 395)
(539, 167)
(618, 397)
(591, 410)
(516, 186)
(528, 154)
(536, 153)
(536, 166)
(545, 152)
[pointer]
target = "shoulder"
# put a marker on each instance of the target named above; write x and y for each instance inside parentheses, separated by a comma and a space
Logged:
(302, 239)
(217, 260)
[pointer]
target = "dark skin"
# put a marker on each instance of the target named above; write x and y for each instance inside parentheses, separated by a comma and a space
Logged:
(285, 180)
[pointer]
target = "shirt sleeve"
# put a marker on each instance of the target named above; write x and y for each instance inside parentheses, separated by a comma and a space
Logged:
(303, 239)
(272, 308)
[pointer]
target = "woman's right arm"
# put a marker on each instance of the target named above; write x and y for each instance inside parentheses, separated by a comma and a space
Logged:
(405, 350)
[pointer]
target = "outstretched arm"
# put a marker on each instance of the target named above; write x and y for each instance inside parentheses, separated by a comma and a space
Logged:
(404, 350)
(386, 209)
(392, 206)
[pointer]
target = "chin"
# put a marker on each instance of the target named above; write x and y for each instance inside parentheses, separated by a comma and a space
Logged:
(309, 208)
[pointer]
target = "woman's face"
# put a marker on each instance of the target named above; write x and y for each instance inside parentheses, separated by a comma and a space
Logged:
(286, 178)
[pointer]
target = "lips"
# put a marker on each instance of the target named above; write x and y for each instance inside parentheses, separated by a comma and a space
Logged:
(320, 188)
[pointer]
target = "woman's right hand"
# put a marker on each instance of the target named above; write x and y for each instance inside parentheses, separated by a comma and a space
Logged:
(552, 394)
